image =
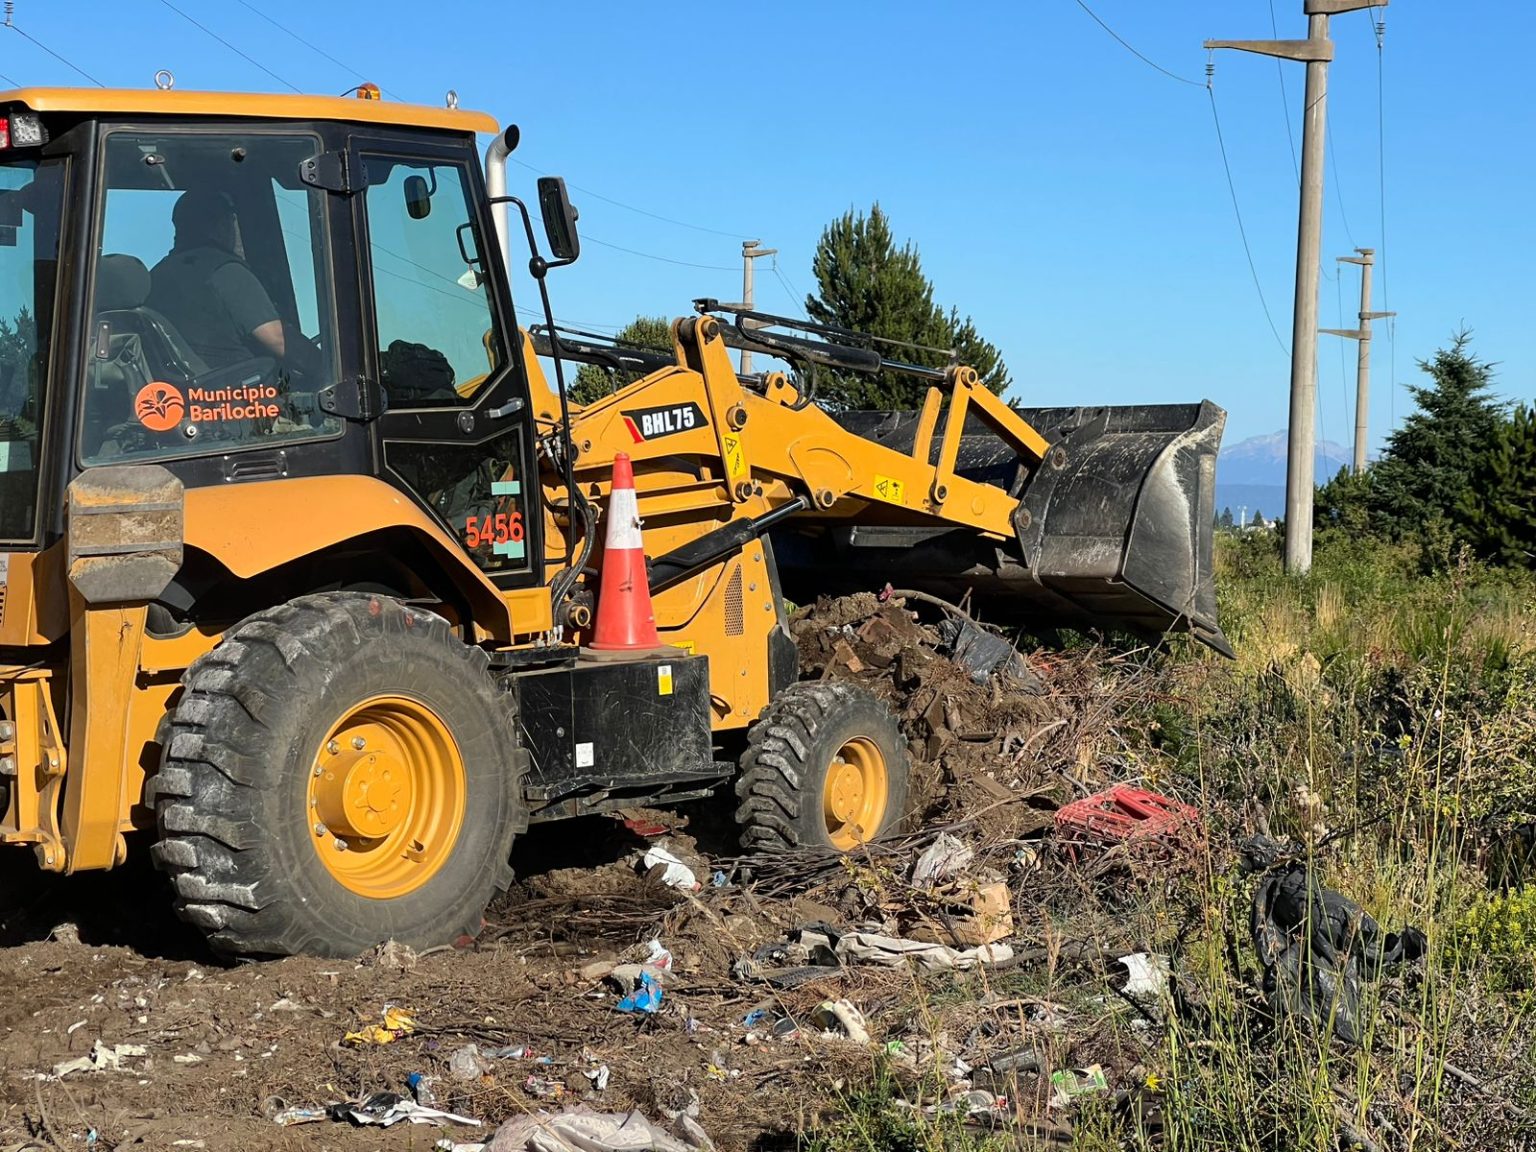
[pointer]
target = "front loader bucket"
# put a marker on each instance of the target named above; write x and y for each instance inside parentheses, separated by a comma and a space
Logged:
(1114, 530)
(1123, 528)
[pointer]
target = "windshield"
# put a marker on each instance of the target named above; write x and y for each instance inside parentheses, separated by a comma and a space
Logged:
(30, 199)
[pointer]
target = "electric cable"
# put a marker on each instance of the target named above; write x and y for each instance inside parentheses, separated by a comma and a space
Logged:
(13, 26)
(1379, 25)
(653, 256)
(1285, 100)
(1127, 46)
(632, 208)
(249, 59)
(1343, 362)
(1210, 89)
(318, 51)
(9, 81)
(797, 301)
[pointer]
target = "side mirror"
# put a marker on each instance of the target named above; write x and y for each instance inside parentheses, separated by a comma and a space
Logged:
(418, 198)
(559, 218)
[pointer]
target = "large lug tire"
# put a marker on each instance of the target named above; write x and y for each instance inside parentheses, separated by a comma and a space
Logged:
(825, 767)
(340, 771)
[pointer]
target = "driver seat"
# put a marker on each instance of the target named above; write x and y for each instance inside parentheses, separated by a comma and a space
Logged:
(132, 345)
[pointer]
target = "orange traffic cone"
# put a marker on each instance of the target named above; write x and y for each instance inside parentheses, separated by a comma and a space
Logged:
(625, 619)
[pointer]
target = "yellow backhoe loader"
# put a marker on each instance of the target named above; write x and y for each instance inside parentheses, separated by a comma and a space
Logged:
(299, 546)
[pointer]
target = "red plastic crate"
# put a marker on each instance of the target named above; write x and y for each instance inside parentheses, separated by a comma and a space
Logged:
(1126, 815)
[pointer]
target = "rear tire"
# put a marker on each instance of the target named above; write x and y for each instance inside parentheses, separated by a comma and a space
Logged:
(825, 767)
(339, 719)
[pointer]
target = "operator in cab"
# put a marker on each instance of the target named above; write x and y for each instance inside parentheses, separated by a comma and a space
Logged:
(206, 289)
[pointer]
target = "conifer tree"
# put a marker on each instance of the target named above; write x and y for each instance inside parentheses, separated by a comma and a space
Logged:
(867, 284)
(1499, 511)
(1424, 477)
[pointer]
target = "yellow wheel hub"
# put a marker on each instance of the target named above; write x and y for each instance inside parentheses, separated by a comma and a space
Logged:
(386, 797)
(855, 794)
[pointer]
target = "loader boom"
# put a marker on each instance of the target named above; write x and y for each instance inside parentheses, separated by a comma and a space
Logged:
(1101, 525)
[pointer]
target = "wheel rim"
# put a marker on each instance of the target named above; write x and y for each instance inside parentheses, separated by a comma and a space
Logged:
(855, 794)
(386, 797)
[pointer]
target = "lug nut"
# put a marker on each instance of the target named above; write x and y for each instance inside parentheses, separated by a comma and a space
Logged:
(332, 748)
(321, 830)
(359, 743)
(7, 730)
(341, 845)
(7, 765)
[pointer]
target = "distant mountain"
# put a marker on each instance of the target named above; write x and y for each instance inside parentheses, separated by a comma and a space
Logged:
(1251, 473)
(1261, 460)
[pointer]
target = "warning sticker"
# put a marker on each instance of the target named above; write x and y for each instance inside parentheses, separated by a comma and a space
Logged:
(889, 489)
(664, 680)
(735, 458)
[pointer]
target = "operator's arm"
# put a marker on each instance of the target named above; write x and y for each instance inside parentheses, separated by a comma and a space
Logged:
(251, 309)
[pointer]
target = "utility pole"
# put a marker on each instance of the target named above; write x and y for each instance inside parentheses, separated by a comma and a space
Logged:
(1366, 259)
(1316, 51)
(750, 251)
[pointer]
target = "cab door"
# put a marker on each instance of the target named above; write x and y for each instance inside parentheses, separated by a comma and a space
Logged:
(440, 340)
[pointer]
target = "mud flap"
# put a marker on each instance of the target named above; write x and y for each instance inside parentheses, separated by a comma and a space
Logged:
(1119, 519)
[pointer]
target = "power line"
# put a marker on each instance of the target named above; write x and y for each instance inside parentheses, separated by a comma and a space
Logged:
(662, 259)
(1124, 44)
(639, 211)
(249, 59)
(318, 51)
(1380, 25)
(1241, 230)
(1285, 100)
(797, 301)
(1338, 285)
(11, 24)
(9, 81)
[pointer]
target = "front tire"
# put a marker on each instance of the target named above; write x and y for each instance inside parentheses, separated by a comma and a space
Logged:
(341, 770)
(825, 767)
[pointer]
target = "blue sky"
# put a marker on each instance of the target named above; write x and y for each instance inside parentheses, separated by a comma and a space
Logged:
(1066, 195)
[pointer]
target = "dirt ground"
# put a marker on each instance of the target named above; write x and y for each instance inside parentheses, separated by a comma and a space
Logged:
(226, 1047)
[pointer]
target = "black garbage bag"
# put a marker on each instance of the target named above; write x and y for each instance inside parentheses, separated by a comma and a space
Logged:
(981, 654)
(1317, 946)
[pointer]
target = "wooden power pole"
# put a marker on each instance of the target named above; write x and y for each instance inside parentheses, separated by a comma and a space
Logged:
(750, 250)
(1366, 259)
(1315, 51)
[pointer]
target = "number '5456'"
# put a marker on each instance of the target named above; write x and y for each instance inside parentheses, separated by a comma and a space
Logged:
(501, 528)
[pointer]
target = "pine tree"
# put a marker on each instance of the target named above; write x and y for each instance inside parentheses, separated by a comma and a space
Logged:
(1344, 503)
(1258, 519)
(593, 381)
(867, 284)
(1499, 511)
(1424, 477)
(1225, 521)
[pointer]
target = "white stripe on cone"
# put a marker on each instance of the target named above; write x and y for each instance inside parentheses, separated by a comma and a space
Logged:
(624, 520)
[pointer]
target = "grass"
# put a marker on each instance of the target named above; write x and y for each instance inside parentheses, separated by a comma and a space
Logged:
(1386, 720)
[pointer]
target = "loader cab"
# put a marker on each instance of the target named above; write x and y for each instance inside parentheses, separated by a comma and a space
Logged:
(253, 292)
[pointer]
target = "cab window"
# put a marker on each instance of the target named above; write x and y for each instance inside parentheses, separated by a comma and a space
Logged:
(31, 199)
(212, 317)
(432, 306)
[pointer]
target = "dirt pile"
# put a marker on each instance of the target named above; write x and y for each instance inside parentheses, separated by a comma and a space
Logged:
(977, 742)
